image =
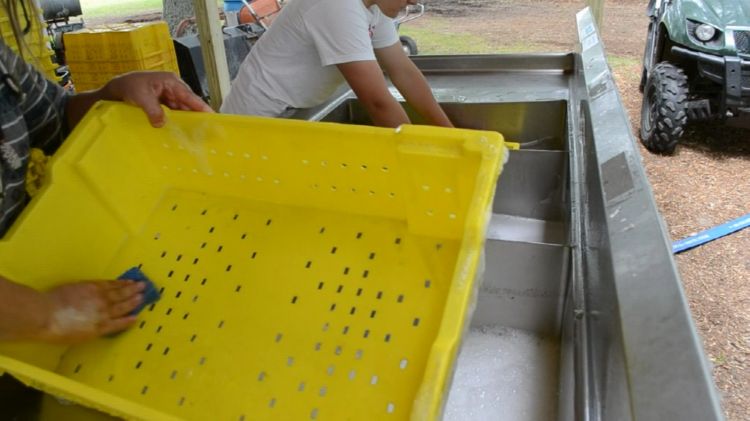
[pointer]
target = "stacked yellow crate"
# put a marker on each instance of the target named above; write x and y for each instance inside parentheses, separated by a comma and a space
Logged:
(97, 54)
(35, 47)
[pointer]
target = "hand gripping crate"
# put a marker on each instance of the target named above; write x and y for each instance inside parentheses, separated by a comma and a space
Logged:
(308, 270)
(97, 54)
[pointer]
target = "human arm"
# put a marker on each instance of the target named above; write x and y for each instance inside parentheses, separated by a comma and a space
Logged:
(412, 84)
(367, 81)
(147, 90)
(68, 313)
(50, 112)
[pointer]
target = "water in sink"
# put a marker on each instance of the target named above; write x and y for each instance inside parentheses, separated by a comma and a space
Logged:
(504, 374)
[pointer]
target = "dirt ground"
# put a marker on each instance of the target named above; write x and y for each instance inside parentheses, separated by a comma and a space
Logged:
(704, 184)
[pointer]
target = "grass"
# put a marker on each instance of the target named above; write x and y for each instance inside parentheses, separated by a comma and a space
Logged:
(96, 9)
(430, 41)
(115, 9)
(623, 61)
(626, 67)
(437, 38)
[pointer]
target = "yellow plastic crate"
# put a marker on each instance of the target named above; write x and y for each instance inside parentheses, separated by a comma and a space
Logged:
(37, 50)
(111, 50)
(35, 19)
(98, 53)
(122, 41)
(308, 270)
(93, 75)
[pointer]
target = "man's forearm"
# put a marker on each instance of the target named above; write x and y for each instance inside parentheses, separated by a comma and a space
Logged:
(147, 90)
(415, 89)
(23, 311)
(386, 113)
(79, 104)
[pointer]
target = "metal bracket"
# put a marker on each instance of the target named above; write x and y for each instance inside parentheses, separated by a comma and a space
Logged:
(699, 109)
(733, 80)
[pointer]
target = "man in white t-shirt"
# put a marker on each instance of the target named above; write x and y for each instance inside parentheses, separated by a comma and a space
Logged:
(314, 46)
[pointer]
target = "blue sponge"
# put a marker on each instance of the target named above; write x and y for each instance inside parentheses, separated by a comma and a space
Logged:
(150, 293)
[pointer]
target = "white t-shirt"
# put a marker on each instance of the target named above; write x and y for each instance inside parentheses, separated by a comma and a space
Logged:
(293, 65)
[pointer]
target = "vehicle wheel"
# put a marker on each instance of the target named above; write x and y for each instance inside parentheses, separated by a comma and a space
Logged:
(642, 84)
(663, 116)
(409, 45)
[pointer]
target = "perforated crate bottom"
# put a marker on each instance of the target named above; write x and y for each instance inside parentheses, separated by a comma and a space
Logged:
(274, 312)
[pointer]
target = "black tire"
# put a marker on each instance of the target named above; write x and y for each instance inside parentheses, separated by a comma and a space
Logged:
(663, 116)
(409, 45)
(642, 84)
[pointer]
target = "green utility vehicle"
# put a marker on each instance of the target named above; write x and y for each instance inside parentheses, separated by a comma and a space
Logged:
(696, 67)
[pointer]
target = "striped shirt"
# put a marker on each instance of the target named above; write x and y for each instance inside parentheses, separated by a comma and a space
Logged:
(31, 116)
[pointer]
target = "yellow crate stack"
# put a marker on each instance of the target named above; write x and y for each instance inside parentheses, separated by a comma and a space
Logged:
(99, 53)
(36, 48)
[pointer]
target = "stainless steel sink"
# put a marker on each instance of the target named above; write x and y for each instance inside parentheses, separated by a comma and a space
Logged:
(580, 315)
(537, 125)
(520, 302)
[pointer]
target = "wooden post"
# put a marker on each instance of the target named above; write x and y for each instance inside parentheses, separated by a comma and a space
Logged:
(597, 9)
(212, 47)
